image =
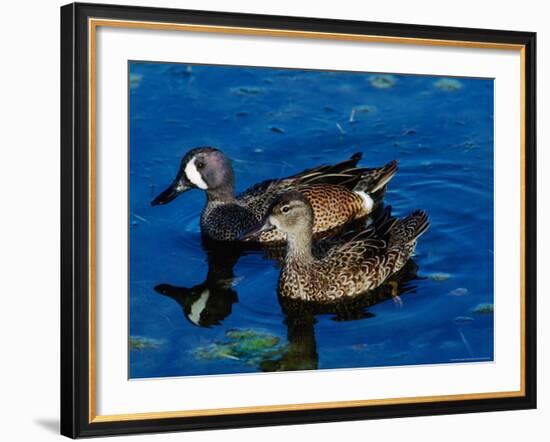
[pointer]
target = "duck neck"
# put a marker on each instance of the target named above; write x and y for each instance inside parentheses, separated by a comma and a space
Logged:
(299, 245)
(222, 194)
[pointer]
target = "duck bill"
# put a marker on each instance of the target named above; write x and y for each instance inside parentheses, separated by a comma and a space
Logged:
(176, 188)
(254, 233)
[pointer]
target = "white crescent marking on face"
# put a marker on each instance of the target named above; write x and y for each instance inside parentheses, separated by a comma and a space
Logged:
(194, 176)
(198, 306)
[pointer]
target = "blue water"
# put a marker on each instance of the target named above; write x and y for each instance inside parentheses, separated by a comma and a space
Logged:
(277, 122)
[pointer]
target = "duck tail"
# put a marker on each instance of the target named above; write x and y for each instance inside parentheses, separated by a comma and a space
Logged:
(408, 230)
(374, 180)
(349, 163)
(344, 173)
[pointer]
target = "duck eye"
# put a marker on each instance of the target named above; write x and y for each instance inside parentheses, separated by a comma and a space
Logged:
(285, 209)
(199, 165)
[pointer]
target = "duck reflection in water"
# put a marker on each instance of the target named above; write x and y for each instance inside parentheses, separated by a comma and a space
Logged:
(210, 302)
(301, 317)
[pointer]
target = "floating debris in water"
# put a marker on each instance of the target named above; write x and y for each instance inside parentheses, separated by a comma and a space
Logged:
(143, 343)
(180, 71)
(463, 320)
(135, 80)
(468, 144)
(364, 109)
(439, 276)
(187, 72)
(247, 90)
(382, 81)
(448, 84)
(466, 343)
(484, 308)
(340, 128)
(461, 291)
(276, 129)
(141, 218)
(249, 346)
(356, 112)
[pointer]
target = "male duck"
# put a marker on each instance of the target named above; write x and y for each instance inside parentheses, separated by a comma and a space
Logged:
(357, 265)
(338, 193)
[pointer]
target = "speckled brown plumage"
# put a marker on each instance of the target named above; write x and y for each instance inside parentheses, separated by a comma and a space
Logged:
(359, 264)
(332, 205)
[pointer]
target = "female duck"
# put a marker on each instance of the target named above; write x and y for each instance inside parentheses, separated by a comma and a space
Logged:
(353, 267)
(339, 194)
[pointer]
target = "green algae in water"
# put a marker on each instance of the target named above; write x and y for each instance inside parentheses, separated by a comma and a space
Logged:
(463, 320)
(439, 276)
(382, 81)
(364, 109)
(135, 80)
(143, 343)
(448, 84)
(247, 90)
(249, 346)
(484, 308)
(461, 291)
(358, 112)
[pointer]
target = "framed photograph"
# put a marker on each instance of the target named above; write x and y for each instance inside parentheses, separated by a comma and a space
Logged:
(279, 220)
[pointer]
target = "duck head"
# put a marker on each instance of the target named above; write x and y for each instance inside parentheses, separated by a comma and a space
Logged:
(205, 168)
(291, 213)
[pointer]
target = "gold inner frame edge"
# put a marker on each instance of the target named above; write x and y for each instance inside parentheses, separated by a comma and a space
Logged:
(93, 24)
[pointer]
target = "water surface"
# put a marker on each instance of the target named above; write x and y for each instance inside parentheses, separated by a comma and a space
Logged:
(277, 122)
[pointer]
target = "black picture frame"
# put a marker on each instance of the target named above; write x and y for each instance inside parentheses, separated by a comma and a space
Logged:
(75, 219)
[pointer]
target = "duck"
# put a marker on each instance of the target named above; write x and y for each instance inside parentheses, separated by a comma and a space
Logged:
(358, 264)
(338, 193)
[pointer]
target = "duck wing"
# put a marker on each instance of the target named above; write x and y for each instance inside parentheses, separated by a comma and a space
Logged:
(358, 248)
(380, 258)
(259, 197)
(365, 243)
